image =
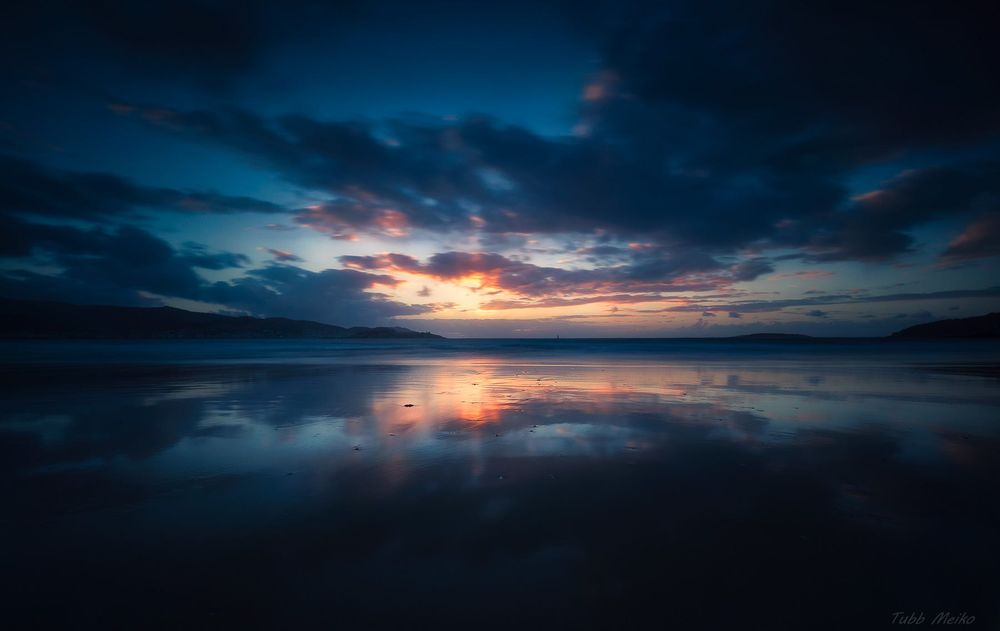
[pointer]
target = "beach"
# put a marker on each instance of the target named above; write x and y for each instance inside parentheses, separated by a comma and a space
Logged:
(490, 483)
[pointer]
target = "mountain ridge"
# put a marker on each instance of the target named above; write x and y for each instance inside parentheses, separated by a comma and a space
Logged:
(983, 326)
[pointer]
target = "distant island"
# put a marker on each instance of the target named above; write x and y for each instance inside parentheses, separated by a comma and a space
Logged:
(772, 336)
(984, 326)
(978, 327)
(30, 319)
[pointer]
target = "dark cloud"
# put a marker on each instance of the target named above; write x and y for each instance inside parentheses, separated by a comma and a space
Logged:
(817, 313)
(570, 302)
(603, 251)
(27, 187)
(19, 238)
(751, 269)
(980, 239)
(646, 276)
(128, 265)
(209, 39)
(709, 128)
(333, 295)
(98, 265)
(875, 225)
(820, 84)
(432, 178)
(284, 257)
(712, 141)
(207, 43)
(794, 97)
(765, 306)
(198, 255)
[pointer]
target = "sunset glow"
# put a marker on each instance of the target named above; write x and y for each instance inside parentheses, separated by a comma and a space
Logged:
(615, 175)
(500, 314)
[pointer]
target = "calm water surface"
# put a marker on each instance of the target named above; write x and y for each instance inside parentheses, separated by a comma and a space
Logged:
(486, 484)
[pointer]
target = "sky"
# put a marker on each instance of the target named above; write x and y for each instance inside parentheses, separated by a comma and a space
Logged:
(507, 169)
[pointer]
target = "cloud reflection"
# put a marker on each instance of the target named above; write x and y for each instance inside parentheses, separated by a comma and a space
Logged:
(569, 491)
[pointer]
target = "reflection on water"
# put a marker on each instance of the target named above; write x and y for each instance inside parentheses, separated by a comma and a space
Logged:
(477, 490)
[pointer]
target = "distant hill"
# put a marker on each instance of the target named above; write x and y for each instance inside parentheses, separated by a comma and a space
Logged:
(978, 327)
(771, 336)
(29, 319)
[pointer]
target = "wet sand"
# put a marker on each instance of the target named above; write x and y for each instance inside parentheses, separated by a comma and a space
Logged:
(487, 491)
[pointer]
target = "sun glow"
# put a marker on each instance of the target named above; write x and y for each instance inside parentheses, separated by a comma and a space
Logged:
(473, 281)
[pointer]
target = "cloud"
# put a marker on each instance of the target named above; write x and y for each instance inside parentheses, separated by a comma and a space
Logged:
(875, 225)
(27, 187)
(775, 72)
(751, 269)
(198, 255)
(568, 302)
(212, 39)
(712, 141)
(766, 306)
(278, 227)
(807, 274)
(712, 130)
(128, 265)
(99, 265)
(431, 179)
(816, 313)
(334, 295)
(614, 180)
(648, 275)
(758, 92)
(980, 239)
(283, 256)
(208, 45)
